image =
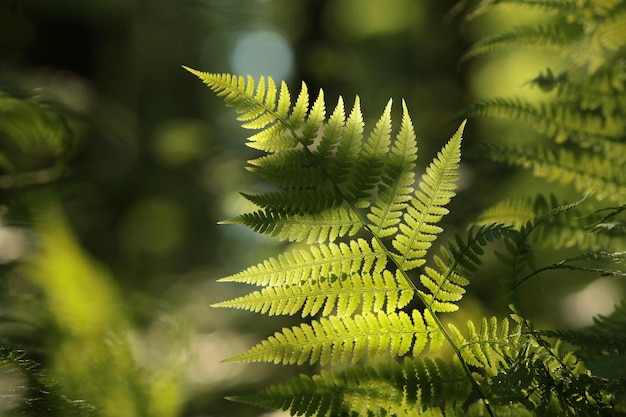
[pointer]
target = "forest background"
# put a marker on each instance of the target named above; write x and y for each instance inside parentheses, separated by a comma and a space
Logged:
(156, 161)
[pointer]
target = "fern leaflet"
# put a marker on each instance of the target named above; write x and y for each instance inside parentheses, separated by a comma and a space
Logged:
(397, 181)
(338, 340)
(436, 189)
(370, 390)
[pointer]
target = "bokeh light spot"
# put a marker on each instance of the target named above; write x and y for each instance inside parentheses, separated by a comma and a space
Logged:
(179, 141)
(599, 297)
(264, 53)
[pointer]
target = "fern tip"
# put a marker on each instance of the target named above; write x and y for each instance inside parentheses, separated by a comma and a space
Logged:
(191, 70)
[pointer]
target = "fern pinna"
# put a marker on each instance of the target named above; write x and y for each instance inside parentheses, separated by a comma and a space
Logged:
(367, 226)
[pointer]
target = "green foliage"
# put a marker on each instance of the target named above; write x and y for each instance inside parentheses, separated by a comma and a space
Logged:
(36, 141)
(390, 388)
(33, 127)
(65, 345)
(34, 393)
(375, 290)
(584, 117)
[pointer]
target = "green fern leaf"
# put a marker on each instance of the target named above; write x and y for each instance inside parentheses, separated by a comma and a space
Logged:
(297, 201)
(325, 226)
(601, 91)
(520, 254)
(579, 228)
(445, 283)
(427, 207)
(556, 381)
(602, 39)
(337, 340)
(332, 132)
(315, 263)
(347, 182)
(492, 346)
(513, 212)
(369, 164)
(346, 293)
(559, 122)
(346, 135)
(546, 37)
(412, 387)
(589, 173)
(290, 169)
(397, 181)
(33, 126)
(259, 108)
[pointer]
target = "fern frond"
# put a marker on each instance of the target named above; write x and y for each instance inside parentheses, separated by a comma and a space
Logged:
(514, 212)
(349, 182)
(553, 381)
(602, 90)
(337, 340)
(412, 387)
(603, 348)
(600, 93)
(325, 226)
(564, 7)
(436, 188)
(345, 137)
(520, 253)
(345, 293)
(544, 37)
(32, 126)
(589, 173)
(599, 44)
(579, 228)
(445, 283)
(369, 165)
(315, 263)
(332, 132)
(263, 107)
(397, 181)
(491, 347)
(561, 123)
(297, 201)
(38, 392)
(290, 169)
